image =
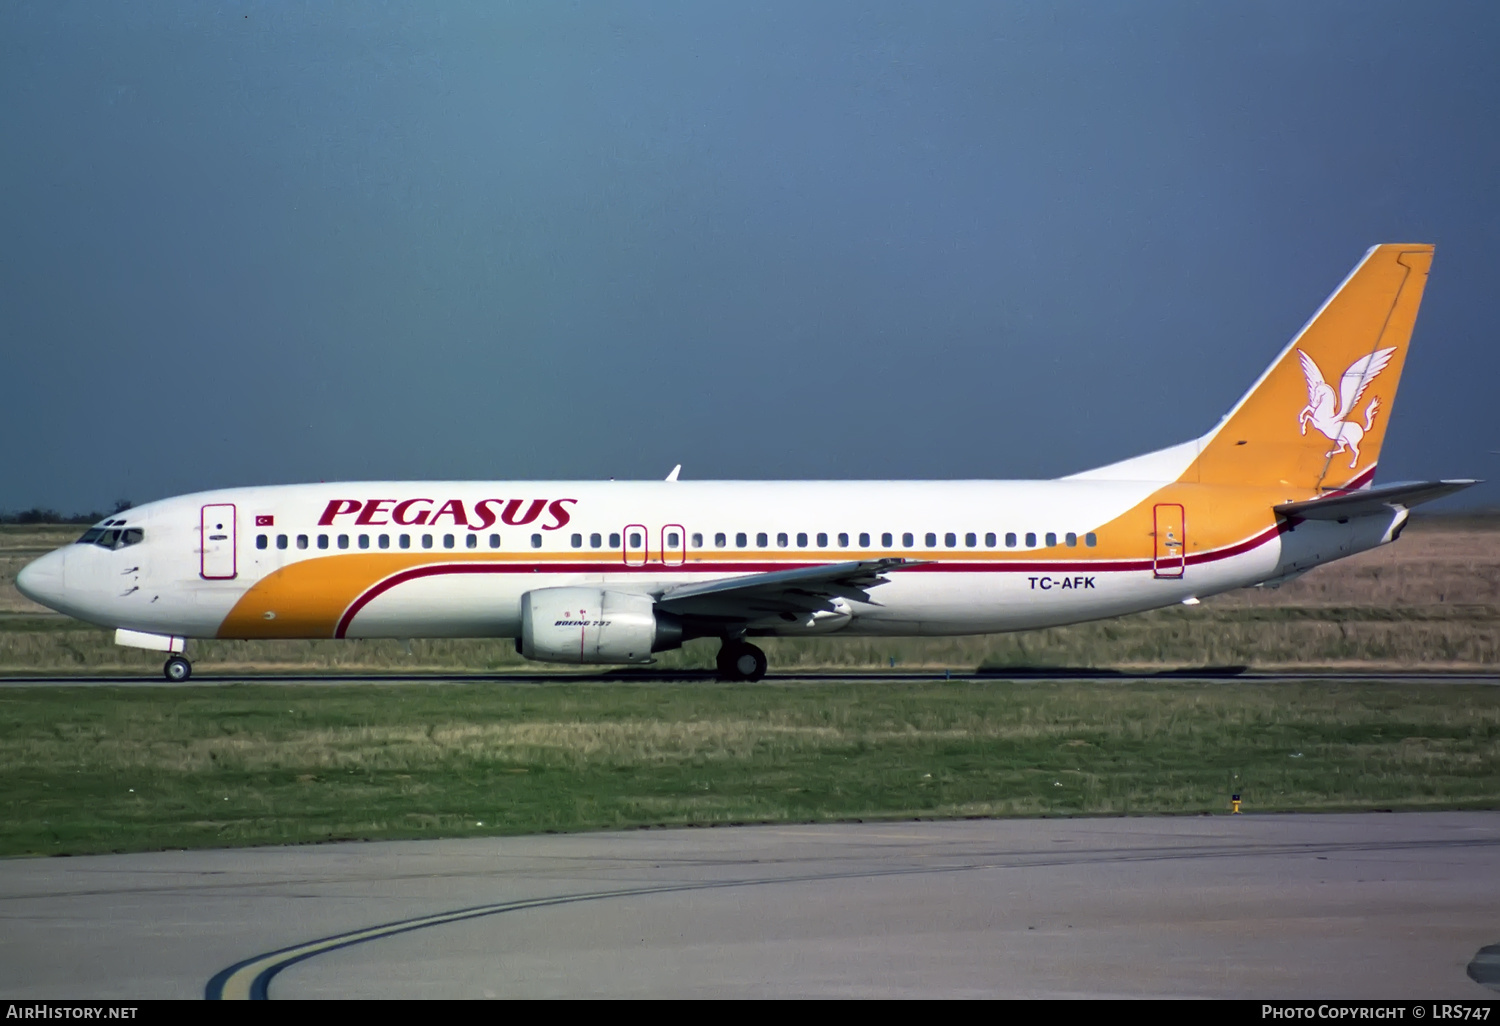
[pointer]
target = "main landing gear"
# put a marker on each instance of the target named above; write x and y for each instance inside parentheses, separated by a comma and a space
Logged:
(740, 660)
(177, 669)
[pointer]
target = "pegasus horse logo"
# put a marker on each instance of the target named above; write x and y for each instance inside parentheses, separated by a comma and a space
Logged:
(1321, 412)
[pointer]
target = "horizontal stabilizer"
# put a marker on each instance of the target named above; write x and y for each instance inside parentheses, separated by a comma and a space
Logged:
(1381, 499)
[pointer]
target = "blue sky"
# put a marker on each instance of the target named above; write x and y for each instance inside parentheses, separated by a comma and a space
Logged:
(254, 243)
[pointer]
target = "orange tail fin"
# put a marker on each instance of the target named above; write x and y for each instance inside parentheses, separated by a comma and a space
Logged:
(1316, 418)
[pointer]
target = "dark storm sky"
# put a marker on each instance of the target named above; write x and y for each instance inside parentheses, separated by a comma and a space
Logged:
(254, 243)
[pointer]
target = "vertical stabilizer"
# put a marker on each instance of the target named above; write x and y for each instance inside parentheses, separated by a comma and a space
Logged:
(1317, 417)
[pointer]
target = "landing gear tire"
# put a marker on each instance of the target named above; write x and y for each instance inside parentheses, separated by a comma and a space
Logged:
(740, 660)
(177, 669)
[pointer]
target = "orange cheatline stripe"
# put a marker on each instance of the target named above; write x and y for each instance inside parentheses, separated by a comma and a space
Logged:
(307, 607)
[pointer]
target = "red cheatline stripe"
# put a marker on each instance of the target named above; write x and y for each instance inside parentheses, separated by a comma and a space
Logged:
(1244, 546)
(945, 566)
(1364, 478)
(413, 574)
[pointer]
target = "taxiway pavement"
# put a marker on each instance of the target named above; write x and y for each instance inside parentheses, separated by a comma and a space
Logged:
(1275, 906)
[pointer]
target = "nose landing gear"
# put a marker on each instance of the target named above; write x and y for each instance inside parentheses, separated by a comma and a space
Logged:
(177, 669)
(740, 660)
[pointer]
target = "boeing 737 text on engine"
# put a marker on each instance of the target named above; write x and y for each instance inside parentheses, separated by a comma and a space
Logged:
(611, 572)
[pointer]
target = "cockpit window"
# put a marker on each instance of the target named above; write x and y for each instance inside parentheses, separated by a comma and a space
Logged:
(112, 538)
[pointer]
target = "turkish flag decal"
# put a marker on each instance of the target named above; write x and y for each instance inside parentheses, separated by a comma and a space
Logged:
(265, 521)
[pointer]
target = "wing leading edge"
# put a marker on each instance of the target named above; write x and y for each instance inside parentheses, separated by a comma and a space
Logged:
(810, 589)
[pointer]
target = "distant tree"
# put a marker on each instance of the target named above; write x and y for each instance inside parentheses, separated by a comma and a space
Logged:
(121, 505)
(37, 515)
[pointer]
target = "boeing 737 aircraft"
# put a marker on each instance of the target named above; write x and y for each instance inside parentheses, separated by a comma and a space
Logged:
(600, 573)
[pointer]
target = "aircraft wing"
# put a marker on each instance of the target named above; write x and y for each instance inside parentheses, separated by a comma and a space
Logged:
(805, 590)
(1380, 499)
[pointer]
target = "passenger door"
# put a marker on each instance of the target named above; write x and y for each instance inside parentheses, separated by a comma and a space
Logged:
(216, 532)
(1171, 541)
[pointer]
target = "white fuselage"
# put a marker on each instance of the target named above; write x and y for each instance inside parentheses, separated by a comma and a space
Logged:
(453, 559)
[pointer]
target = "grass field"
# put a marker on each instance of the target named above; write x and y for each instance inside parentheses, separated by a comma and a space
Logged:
(120, 769)
(1431, 600)
(117, 769)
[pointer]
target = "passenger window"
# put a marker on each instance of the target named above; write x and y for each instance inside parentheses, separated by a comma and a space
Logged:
(822, 540)
(801, 539)
(261, 541)
(697, 540)
(971, 540)
(447, 541)
(426, 541)
(950, 539)
(1051, 539)
(1010, 539)
(989, 539)
(741, 540)
(495, 541)
(931, 540)
(614, 541)
(1091, 539)
(672, 541)
(885, 540)
(595, 541)
(384, 541)
(343, 541)
(471, 541)
(281, 541)
(864, 540)
(908, 539)
(364, 541)
(843, 540)
(635, 540)
(720, 541)
(1071, 539)
(404, 541)
(781, 539)
(762, 540)
(1031, 539)
(322, 541)
(577, 540)
(301, 541)
(536, 541)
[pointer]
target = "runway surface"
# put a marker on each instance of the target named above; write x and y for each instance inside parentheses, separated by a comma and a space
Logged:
(1355, 906)
(1231, 673)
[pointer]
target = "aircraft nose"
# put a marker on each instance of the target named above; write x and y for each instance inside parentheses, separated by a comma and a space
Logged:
(41, 580)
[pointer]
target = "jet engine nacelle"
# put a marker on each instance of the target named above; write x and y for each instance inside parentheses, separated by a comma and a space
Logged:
(590, 625)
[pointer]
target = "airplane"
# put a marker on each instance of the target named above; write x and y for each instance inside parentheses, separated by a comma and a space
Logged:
(600, 573)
